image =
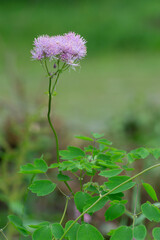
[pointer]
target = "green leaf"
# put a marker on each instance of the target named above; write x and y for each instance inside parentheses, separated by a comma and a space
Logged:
(57, 230)
(54, 165)
(151, 192)
(42, 224)
(42, 187)
(62, 177)
(84, 138)
(72, 233)
(110, 173)
(81, 199)
(155, 152)
(114, 211)
(18, 224)
(39, 166)
(68, 165)
(140, 232)
(88, 232)
(117, 180)
(72, 153)
(42, 233)
(156, 233)
(151, 212)
(104, 141)
(141, 152)
(97, 135)
(122, 232)
(97, 206)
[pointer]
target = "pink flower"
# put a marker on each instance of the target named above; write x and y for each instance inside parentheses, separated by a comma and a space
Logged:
(68, 48)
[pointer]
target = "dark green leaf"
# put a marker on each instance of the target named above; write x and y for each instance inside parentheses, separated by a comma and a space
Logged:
(140, 232)
(114, 211)
(80, 200)
(42, 224)
(72, 153)
(42, 233)
(62, 177)
(54, 165)
(151, 212)
(156, 233)
(117, 180)
(110, 173)
(122, 232)
(88, 232)
(151, 192)
(18, 224)
(42, 187)
(72, 233)
(57, 230)
(39, 166)
(97, 206)
(155, 152)
(141, 152)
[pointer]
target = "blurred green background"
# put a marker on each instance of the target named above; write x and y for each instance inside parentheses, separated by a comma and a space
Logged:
(120, 73)
(115, 91)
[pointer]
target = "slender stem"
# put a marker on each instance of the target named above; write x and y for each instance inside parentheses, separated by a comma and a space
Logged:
(49, 119)
(135, 207)
(1, 230)
(69, 187)
(80, 179)
(65, 209)
(49, 111)
(55, 83)
(106, 194)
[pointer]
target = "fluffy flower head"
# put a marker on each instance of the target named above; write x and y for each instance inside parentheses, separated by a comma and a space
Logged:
(69, 48)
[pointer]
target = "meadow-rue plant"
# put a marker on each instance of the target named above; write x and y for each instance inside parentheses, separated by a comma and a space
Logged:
(115, 166)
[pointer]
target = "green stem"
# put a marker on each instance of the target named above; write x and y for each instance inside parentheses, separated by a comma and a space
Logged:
(65, 209)
(135, 208)
(49, 112)
(3, 234)
(49, 119)
(69, 187)
(106, 194)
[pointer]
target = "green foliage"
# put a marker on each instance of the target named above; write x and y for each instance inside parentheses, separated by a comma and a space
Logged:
(156, 233)
(39, 166)
(123, 232)
(57, 230)
(62, 177)
(97, 159)
(81, 199)
(140, 232)
(88, 232)
(114, 182)
(150, 190)
(18, 224)
(110, 173)
(72, 233)
(114, 211)
(151, 212)
(43, 233)
(42, 187)
(71, 153)
(85, 138)
(99, 205)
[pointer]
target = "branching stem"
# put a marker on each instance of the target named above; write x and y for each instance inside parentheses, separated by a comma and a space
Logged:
(106, 194)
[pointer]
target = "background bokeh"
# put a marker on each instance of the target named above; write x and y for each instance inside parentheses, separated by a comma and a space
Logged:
(115, 91)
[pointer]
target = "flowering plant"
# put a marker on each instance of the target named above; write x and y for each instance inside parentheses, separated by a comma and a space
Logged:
(98, 158)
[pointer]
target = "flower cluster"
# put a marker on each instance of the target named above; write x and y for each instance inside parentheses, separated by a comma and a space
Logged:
(69, 48)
